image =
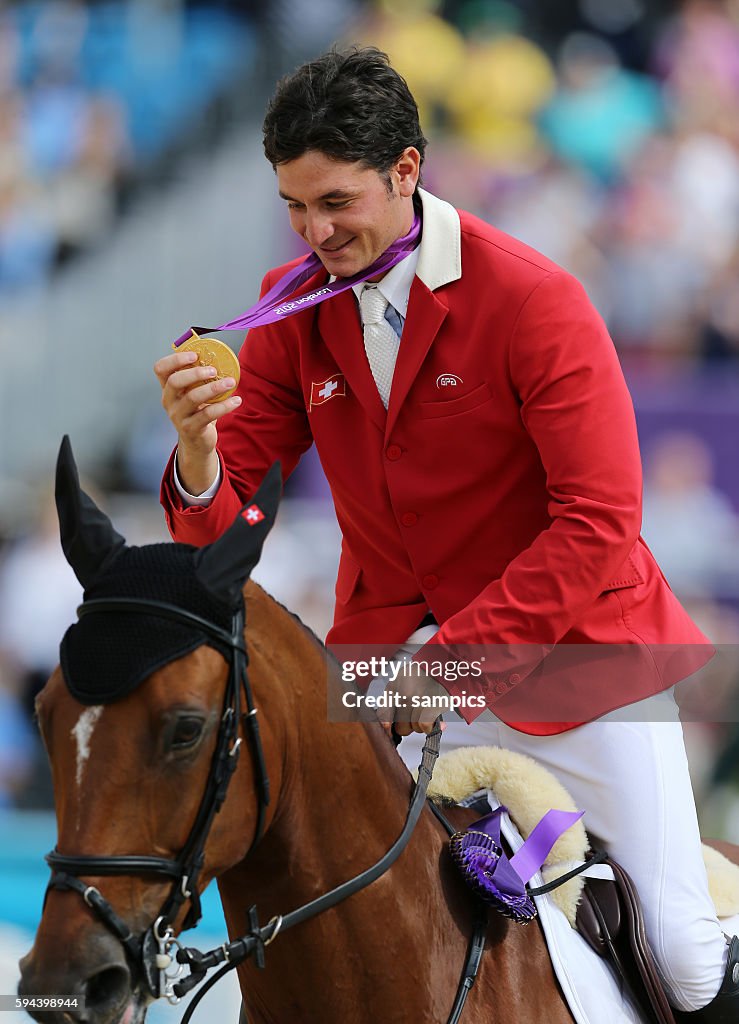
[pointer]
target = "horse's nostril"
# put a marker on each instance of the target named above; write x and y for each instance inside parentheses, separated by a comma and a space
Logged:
(107, 991)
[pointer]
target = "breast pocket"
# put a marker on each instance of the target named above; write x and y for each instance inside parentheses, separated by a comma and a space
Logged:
(453, 406)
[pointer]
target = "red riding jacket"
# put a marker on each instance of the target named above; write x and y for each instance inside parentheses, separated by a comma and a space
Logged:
(501, 489)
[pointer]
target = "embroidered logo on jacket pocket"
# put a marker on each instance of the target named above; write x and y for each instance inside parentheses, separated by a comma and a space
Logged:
(448, 380)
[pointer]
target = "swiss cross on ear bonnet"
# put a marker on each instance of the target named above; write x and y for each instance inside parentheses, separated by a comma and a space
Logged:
(104, 657)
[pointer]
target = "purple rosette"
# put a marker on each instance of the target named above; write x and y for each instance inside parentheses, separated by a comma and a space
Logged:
(478, 853)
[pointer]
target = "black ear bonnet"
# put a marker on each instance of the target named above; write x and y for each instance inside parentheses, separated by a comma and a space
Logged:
(106, 655)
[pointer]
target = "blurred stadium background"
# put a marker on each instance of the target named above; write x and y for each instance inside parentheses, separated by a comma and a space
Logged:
(134, 200)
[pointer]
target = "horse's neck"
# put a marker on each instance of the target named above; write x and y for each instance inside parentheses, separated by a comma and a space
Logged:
(342, 783)
(328, 769)
(345, 802)
(394, 946)
(343, 798)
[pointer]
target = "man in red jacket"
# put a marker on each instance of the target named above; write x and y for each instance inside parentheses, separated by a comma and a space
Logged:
(476, 431)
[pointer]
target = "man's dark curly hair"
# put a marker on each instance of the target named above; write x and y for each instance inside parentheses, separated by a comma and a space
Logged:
(347, 105)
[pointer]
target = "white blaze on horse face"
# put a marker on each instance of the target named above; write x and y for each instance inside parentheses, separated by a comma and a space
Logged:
(82, 733)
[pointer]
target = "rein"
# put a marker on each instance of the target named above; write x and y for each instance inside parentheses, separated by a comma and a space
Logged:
(151, 952)
(255, 941)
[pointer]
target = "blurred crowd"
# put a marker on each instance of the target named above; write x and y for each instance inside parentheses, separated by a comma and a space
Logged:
(94, 99)
(606, 137)
(614, 149)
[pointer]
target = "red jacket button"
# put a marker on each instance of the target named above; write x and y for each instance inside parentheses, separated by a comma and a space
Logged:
(393, 452)
(514, 678)
(409, 519)
(430, 581)
(501, 688)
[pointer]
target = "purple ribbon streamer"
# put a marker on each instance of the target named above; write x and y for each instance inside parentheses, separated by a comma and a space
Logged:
(276, 304)
(535, 850)
(527, 861)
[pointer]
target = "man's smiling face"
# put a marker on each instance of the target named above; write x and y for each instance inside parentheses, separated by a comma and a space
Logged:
(348, 213)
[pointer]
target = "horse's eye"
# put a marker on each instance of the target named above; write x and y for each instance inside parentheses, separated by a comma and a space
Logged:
(187, 732)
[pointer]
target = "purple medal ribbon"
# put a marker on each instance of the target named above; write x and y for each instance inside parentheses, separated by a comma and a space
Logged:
(276, 304)
(479, 854)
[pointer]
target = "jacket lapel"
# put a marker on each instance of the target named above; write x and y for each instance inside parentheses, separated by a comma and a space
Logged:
(426, 314)
(339, 327)
(439, 263)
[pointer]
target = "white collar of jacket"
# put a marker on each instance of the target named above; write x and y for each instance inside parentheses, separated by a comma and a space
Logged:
(440, 251)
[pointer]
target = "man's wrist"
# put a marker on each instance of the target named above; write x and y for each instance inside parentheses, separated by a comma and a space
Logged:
(186, 483)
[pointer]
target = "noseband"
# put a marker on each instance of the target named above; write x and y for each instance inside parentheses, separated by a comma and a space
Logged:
(150, 950)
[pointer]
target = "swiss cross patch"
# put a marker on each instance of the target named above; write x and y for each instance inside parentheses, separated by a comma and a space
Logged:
(253, 515)
(324, 390)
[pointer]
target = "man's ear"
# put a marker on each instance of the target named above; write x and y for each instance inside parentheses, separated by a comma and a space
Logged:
(407, 171)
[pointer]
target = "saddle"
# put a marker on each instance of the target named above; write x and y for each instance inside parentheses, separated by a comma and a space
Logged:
(610, 919)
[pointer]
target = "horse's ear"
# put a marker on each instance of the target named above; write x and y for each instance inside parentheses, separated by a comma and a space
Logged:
(224, 566)
(88, 538)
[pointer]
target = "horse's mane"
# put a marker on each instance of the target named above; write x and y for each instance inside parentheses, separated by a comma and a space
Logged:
(379, 740)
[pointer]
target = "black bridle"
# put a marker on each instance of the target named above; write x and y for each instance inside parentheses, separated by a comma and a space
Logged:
(150, 952)
(185, 868)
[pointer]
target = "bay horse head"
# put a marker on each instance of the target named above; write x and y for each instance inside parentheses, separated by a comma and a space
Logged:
(155, 768)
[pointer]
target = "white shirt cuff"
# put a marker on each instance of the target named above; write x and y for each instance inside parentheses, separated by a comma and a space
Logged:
(203, 499)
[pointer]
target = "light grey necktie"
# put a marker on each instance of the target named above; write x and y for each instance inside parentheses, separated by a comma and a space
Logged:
(381, 343)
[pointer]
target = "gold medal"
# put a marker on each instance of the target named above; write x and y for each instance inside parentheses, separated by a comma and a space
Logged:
(212, 352)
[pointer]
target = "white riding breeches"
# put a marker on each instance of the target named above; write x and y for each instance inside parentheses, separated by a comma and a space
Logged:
(631, 779)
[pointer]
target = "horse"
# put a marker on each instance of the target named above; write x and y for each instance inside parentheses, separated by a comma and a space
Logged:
(132, 722)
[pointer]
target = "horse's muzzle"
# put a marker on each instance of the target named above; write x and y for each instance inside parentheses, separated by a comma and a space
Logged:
(98, 973)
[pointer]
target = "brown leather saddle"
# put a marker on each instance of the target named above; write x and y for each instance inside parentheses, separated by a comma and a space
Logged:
(610, 919)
